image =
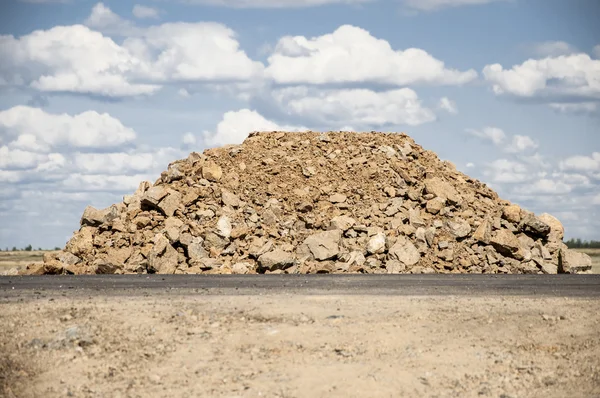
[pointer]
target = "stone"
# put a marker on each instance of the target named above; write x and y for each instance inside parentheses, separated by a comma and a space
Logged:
(212, 172)
(404, 251)
(324, 245)
(532, 225)
(395, 267)
(557, 231)
(548, 268)
(507, 244)
(483, 233)
(376, 244)
(442, 189)
(434, 205)
(573, 262)
(512, 213)
(170, 203)
(163, 258)
(229, 199)
(415, 220)
(224, 227)
(241, 268)
(172, 226)
(196, 251)
(153, 196)
(276, 259)
(459, 228)
(92, 216)
(337, 198)
(394, 207)
(82, 242)
(212, 240)
(343, 223)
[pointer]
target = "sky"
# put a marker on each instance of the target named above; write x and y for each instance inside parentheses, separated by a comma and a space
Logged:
(96, 97)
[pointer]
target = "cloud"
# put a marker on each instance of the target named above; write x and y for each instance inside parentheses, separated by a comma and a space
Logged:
(351, 55)
(596, 51)
(553, 49)
(104, 20)
(144, 12)
(582, 163)
(358, 107)
(521, 143)
(493, 134)
(448, 105)
(34, 129)
(45, 1)
(272, 3)
(572, 76)
(435, 5)
(236, 125)
(582, 107)
(76, 59)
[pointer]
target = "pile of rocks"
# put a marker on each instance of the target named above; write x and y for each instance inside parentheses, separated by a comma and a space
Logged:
(315, 203)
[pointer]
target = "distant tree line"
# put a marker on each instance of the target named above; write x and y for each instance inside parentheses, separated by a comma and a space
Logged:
(582, 244)
(27, 248)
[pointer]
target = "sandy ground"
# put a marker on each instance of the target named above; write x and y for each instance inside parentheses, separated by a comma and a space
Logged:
(298, 346)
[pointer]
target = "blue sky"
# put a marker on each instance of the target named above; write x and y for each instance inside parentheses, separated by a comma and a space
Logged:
(95, 97)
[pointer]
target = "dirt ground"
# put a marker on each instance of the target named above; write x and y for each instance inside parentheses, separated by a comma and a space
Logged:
(298, 346)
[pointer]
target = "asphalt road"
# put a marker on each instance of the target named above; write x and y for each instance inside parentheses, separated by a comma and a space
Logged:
(408, 285)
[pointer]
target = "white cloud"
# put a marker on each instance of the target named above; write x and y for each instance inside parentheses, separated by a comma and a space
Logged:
(145, 12)
(521, 143)
(35, 129)
(434, 5)
(272, 3)
(493, 134)
(553, 49)
(123, 163)
(576, 76)
(78, 60)
(448, 105)
(104, 20)
(596, 199)
(507, 171)
(596, 51)
(351, 55)
(236, 125)
(358, 107)
(582, 107)
(189, 139)
(582, 163)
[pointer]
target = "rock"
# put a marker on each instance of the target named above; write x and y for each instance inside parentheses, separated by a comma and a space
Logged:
(435, 205)
(163, 258)
(376, 244)
(82, 243)
(212, 172)
(324, 245)
(483, 232)
(459, 228)
(395, 267)
(512, 213)
(229, 199)
(442, 189)
(196, 252)
(343, 223)
(241, 268)
(572, 262)
(404, 251)
(507, 244)
(170, 203)
(276, 259)
(548, 268)
(172, 226)
(532, 225)
(414, 217)
(557, 231)
(92, 216)
(337, 198)
(153, 196)
(224, 227)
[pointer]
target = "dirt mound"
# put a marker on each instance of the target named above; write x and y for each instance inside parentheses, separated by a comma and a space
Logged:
(315, 202)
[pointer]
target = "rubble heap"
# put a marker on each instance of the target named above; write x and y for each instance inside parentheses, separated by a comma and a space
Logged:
(315, 203)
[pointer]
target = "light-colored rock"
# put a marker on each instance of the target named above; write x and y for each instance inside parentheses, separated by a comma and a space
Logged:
(376, 244)
(276, 259)
(170, 203)
(196, 251)
(507, 244)
(512, 213)
(324, 245)
(395, 267)
(241, 268)
(572, 262)
(483, 233)
(92, 216)
(212, 172)
(414, 218)
(153, 196)
(459, 228)
(404, 251)
(343, 223)
(224, 227)
(557, 231)
(337, 198)
(532, 225)
(435, 205)
(82, 242)
(442, 189)
(163, 258)
(229, 199)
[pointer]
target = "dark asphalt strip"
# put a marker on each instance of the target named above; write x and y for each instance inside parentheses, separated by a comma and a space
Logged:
(408, 285)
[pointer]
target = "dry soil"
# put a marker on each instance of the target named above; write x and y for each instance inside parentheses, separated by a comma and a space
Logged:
(298, 346)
